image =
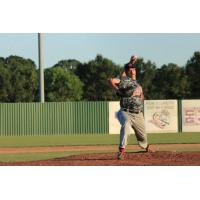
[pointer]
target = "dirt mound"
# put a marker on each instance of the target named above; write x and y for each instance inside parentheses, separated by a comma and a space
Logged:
(110, 159)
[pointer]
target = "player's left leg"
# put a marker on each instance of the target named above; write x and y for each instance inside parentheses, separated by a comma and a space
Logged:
(138, 124)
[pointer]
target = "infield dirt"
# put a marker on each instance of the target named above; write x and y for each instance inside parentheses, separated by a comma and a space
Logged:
(164, 155)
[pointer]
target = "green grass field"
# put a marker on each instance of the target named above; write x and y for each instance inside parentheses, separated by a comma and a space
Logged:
(42, 156)
(92, 139)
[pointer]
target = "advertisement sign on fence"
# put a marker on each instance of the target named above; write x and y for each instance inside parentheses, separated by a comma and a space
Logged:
(191, 115)
(161, 116)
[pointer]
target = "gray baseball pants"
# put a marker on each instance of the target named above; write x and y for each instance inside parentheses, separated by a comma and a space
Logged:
(136, 121)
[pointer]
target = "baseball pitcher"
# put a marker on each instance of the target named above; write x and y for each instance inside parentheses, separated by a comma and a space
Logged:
(131, 107)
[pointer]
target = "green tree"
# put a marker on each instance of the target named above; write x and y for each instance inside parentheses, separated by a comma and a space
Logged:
(193, 73)
(94, 75)
(62, 85)
(23, 79)
(145, 74)
(170, 82)
(4, 81)
(70, 64)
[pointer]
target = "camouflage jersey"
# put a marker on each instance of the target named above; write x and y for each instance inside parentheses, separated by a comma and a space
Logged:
(129, 101)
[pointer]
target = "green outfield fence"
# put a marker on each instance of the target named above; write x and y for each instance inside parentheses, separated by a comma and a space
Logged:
(64, 118)
(25, 119)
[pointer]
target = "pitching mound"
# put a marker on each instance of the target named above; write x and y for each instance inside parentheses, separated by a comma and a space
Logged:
(110, 159)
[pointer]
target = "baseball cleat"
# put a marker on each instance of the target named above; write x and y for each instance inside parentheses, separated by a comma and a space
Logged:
(148, 150)
(121, 154)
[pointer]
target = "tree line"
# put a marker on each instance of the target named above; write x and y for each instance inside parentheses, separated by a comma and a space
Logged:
(71, 80)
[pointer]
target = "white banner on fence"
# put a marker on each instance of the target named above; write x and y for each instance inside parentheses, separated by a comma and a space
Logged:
(161, 116)
(114, 125)
(191, 115)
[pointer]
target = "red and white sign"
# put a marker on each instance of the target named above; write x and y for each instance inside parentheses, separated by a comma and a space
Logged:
(191, 115)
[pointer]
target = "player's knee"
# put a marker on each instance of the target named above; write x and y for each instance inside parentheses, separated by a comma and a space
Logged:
(125, 126)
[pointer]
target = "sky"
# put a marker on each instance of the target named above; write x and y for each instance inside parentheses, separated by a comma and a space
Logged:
(160, 48)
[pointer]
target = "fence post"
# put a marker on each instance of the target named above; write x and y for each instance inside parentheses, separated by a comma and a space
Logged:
(179, 115)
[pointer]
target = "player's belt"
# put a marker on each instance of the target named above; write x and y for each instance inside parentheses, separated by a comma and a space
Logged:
(131, 111)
